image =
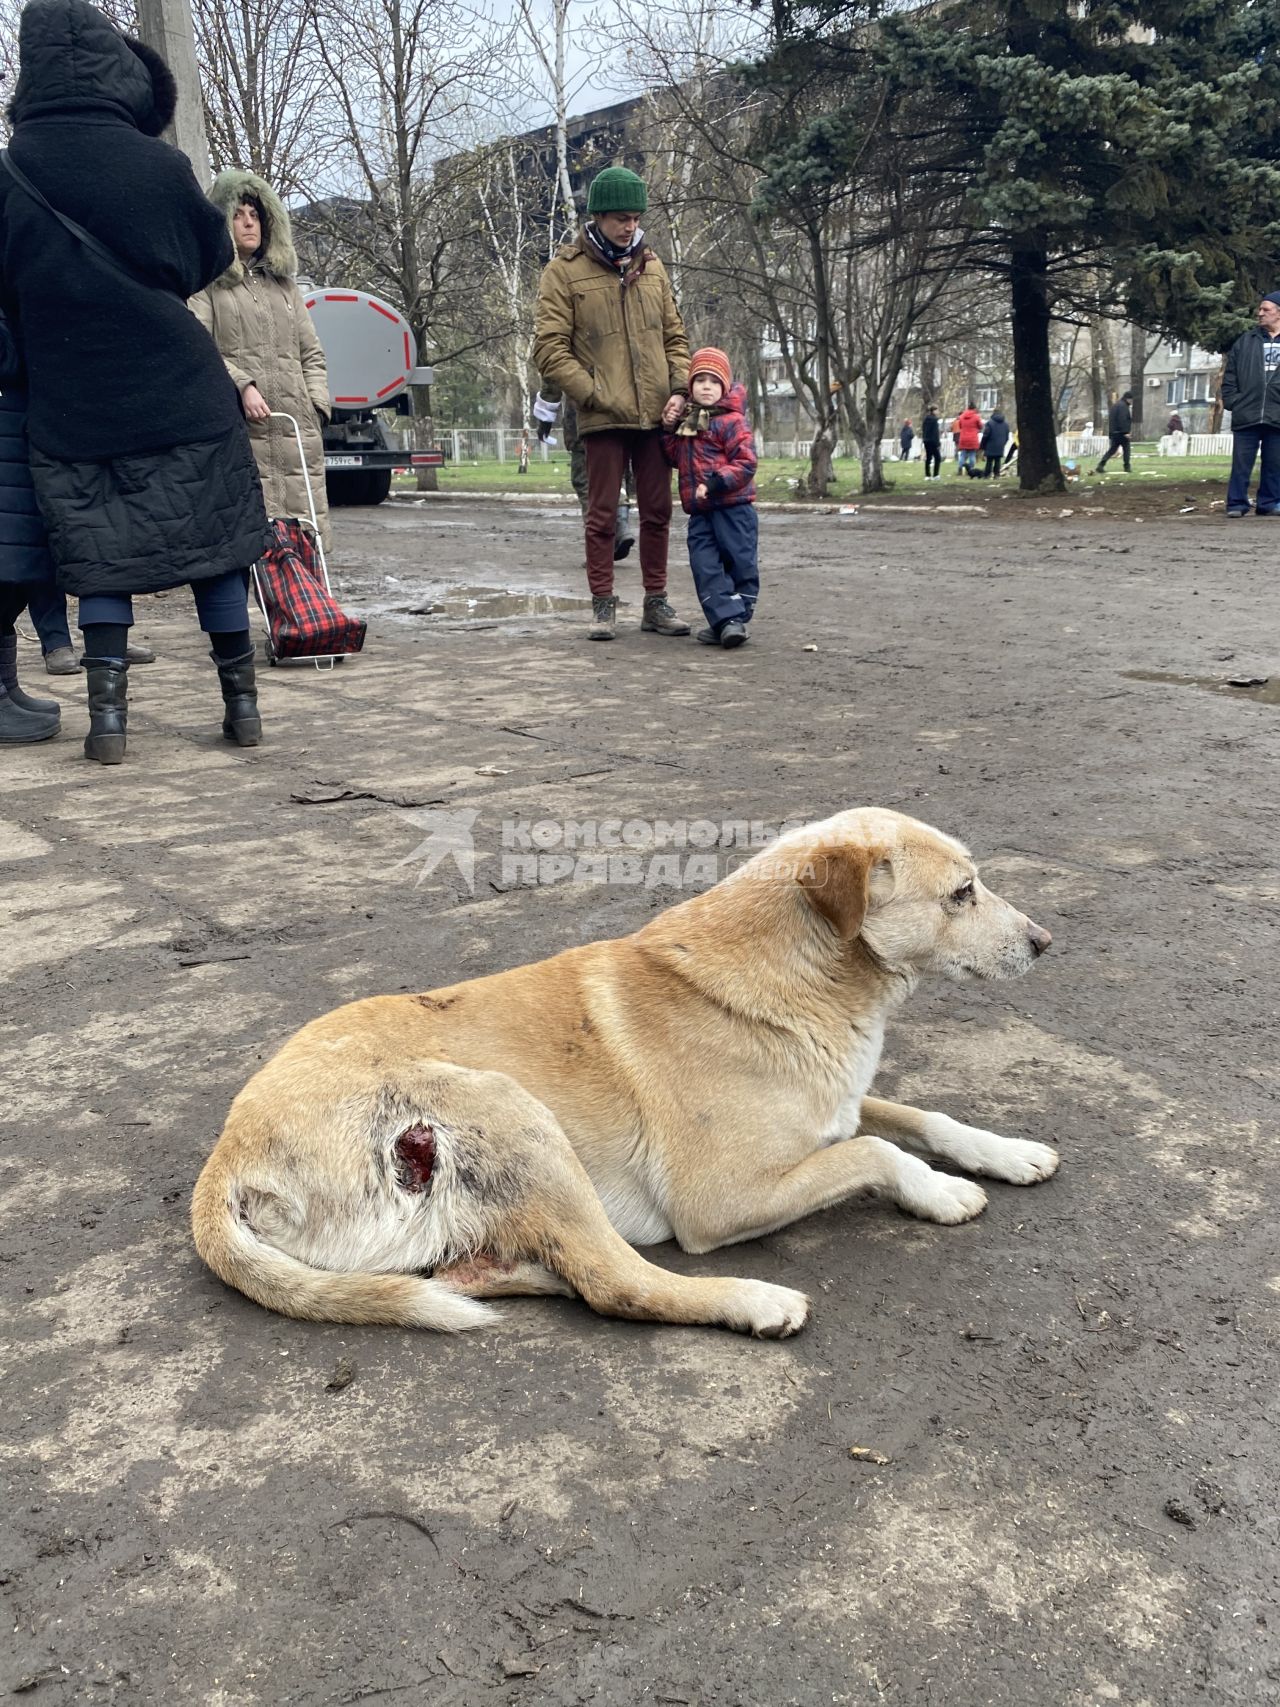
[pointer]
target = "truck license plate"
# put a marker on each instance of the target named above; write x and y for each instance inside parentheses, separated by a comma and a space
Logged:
(344, 462)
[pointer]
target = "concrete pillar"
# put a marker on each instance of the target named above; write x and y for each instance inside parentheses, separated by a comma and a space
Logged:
(166, 26)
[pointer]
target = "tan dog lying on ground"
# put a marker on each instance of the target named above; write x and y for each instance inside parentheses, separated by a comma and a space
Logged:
(704, 1079)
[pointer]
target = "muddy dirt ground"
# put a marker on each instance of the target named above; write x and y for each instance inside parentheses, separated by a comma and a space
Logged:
(1071, 1491)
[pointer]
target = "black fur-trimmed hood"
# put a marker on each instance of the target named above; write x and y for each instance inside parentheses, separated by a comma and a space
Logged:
(73, 60)
(277, 254)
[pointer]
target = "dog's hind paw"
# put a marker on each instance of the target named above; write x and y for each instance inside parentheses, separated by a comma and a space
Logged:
(768, 1312)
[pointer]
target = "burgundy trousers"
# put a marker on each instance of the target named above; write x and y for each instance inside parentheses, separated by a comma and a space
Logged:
(607, 455)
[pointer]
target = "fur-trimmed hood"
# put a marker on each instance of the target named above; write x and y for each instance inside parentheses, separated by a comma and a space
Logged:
(277, 255)
(73, 60)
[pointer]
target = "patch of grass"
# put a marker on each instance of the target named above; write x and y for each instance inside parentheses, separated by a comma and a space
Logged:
(780, 478)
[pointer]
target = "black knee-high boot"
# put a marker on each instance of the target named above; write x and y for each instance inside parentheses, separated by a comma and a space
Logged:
(108, 709)
(241, 722)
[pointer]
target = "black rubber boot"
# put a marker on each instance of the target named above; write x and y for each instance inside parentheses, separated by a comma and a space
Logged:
(46, 709)
(241, 723)
(19, 727)
(108, 709)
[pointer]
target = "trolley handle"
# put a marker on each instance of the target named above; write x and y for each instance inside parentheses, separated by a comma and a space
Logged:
(280, 415)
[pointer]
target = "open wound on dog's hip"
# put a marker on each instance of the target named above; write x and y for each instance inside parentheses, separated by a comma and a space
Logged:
(415, 1158)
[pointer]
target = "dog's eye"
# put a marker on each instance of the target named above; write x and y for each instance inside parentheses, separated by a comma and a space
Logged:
(963, 893)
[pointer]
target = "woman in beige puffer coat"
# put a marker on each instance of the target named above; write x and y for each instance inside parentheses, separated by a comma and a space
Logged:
(264, 333)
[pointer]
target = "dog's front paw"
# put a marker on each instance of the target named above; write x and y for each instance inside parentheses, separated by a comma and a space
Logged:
(938, 1197)
(768, 1312)
(957, 1200)
(1020, 1161)
(978, 1151)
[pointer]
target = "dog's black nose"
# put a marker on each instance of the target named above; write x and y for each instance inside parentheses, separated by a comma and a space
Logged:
(1040, 938)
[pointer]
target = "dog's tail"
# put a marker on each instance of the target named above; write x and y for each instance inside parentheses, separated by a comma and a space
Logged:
(278, 1281)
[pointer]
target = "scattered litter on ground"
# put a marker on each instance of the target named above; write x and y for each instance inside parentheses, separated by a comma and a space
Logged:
(867, 1455)
(520, 1666)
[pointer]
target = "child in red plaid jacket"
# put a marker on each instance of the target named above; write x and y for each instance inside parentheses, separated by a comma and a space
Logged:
(713, 453)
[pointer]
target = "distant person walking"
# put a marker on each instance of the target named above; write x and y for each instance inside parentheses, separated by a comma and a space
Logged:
(931, 440)
(1119, 426)
(607, 332)
(1251, 391)
(906, 438)
(995, 436)
(968, 431)
(139, 453)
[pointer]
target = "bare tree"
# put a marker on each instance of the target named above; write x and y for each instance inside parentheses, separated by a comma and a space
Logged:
(507, 190)
(264, 90)
(546, 28)
(408, 90)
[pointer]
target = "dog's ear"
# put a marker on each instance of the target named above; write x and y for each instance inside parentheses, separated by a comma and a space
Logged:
(843, 883)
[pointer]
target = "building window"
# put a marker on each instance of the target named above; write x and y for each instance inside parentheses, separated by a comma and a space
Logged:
(986, 397)
(1175, 390)
(1197, 388)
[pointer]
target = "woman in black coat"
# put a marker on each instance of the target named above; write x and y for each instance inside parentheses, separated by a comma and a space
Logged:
(26, 567)
(139, 451)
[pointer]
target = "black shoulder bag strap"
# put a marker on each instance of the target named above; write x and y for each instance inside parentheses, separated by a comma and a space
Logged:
(91, 243)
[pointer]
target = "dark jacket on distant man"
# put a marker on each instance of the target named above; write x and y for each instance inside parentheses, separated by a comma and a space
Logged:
(1120, 419)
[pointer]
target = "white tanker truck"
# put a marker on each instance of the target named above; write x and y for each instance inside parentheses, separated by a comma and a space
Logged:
(372, 361)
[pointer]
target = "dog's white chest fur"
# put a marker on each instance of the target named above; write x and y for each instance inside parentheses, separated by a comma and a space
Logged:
(860, 1070)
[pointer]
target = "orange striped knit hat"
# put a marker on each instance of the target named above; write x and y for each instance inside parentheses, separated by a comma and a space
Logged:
(714, 362)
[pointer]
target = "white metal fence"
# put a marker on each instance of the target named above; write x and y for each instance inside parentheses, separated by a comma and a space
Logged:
(493, 444)
(502, 444)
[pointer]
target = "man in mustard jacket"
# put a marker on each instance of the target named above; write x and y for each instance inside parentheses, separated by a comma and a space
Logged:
(607, 331)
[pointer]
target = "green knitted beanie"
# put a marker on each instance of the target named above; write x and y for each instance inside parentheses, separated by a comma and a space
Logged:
(615, 190)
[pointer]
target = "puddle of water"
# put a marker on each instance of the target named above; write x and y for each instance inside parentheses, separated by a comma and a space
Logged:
(489, 604)
(1262, 693)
